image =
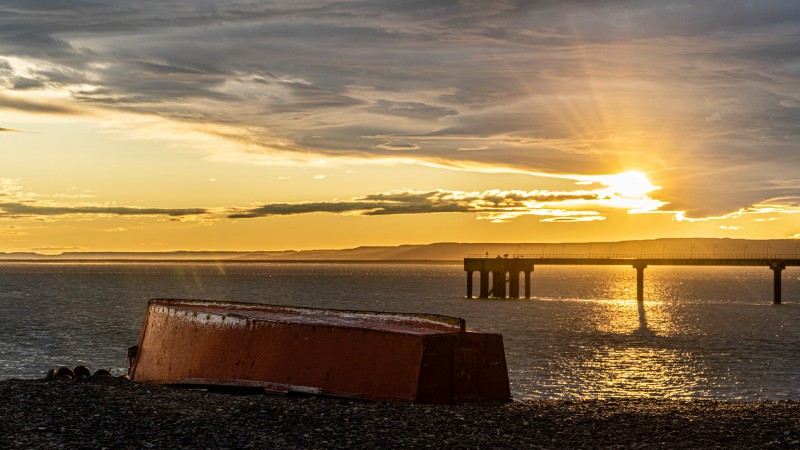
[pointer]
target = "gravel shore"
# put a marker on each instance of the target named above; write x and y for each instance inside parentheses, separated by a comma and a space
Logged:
(114, 413)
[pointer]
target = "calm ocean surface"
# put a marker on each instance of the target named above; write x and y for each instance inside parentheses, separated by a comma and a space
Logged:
(701, 333)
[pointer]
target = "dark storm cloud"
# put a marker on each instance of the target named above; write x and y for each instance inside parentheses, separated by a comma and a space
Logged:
(705, 89)
(22, 209)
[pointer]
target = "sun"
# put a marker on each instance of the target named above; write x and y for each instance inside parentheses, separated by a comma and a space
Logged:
(631, 184)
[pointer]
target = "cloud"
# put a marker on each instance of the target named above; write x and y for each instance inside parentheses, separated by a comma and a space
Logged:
(494, 204)
(17, 203)
(564, 88)
(579, 218)
(11, 188)
(287, 209)
(36, 107)
(12, 230)
(28, 210)
(116, 230)
(53, 250)
(414, 110)
(396, 146)
(8, 130)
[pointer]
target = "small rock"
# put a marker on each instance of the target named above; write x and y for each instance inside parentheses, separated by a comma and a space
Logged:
(82, 371)
(102, 373)
(65, 373)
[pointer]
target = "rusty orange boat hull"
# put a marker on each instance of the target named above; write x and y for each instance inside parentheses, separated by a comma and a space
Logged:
(355, 354)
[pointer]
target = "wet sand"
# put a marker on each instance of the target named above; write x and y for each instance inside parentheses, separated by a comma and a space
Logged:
(113, 413)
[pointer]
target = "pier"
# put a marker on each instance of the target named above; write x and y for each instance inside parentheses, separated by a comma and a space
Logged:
(499, 275)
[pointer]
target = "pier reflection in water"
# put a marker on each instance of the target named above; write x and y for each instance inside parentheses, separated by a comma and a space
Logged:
(631, 354)
(702, 334)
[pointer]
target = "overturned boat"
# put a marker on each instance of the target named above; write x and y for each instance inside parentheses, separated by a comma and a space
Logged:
(416, 358)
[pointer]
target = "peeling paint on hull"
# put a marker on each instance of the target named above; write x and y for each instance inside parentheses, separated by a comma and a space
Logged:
(354, 354)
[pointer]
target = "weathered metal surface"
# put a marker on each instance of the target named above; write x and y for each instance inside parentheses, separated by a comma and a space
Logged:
(373, 356)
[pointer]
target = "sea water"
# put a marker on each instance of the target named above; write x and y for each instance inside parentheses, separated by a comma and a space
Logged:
(702, 332)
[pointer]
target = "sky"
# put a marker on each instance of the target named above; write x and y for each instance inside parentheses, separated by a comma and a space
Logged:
(258, 125)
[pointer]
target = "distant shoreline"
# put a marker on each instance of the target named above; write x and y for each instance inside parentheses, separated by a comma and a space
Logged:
(436, 253)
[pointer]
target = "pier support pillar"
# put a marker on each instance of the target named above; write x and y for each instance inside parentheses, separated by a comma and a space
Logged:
(484, 284)
(499, 283)
(469, 284)
(513, 284)
(777, 268)
(640, 281)
(528, 284)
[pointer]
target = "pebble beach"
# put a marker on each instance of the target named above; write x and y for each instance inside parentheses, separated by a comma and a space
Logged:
(110, 412)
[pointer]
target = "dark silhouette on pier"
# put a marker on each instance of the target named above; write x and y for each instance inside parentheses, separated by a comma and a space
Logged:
(504, 270)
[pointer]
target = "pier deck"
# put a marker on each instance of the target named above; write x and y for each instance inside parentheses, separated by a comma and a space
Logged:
(504, 270)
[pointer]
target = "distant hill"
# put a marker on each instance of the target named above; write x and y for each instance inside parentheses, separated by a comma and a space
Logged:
(452, 251)
(458, 251)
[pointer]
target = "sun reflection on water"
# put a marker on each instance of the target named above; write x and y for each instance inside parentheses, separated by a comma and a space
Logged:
(642, 371)
(635, 355)
(632, 349)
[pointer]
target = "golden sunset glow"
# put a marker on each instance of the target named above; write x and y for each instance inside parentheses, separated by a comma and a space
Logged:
(330, 138)
(629, 190)
(631, 184)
